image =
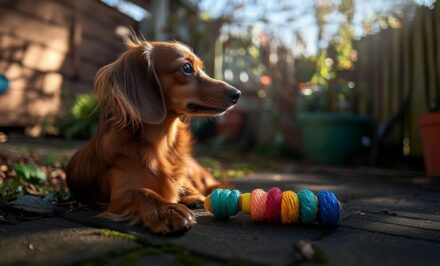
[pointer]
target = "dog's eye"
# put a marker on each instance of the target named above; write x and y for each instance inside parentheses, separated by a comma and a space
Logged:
(188, 69)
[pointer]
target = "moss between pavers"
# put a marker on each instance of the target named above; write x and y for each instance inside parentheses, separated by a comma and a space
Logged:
(132, 257)
(183, 257)
(116, 234)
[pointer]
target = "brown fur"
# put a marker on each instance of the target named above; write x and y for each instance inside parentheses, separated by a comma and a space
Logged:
(139, 163)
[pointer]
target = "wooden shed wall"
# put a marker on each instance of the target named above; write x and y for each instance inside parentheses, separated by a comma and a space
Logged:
(50, 50)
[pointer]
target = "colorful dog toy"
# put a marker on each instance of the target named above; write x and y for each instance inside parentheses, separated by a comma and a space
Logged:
(274, 206)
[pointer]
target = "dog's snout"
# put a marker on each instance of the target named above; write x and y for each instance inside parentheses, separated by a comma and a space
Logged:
(233, 95)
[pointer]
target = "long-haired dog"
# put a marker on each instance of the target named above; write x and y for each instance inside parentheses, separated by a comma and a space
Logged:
(139, 163)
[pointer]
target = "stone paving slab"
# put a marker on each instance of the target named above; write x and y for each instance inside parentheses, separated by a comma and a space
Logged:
(55, 241)
(368, 211)
(353, 247)
(396, 227)
(238, 239)
(386, 221)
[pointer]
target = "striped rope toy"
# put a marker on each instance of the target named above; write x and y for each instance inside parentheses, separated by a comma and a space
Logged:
(274, 206)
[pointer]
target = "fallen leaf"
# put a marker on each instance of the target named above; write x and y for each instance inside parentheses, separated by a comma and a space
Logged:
(306, 249)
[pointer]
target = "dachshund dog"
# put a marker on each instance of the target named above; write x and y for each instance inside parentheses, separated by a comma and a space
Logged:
(139, 164)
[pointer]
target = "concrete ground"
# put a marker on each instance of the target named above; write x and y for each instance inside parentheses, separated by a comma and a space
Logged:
(389, 218)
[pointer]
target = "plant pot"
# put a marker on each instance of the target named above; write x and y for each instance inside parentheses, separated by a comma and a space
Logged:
(430, 130)
(330, 138)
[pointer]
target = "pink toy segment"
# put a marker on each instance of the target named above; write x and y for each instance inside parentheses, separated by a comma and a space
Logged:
(258, 205)
(273, 205)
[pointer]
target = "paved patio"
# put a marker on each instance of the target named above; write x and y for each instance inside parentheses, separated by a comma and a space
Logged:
(389, 218)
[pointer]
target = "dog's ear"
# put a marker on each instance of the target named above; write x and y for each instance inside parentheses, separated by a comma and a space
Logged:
(135, 92)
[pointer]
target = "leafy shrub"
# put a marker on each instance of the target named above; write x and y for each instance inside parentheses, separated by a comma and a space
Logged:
(26, 173)
(316, 98)
(82, 119)
(30, 179)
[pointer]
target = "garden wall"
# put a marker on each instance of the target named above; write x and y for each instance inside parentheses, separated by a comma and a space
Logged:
(50, 50)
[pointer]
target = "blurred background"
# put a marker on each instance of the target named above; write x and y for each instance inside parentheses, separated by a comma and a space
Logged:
(334, 82)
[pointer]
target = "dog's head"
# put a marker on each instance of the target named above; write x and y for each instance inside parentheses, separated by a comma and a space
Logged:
(153, 79)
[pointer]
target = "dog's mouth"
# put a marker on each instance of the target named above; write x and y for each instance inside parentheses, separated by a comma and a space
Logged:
(197, 108)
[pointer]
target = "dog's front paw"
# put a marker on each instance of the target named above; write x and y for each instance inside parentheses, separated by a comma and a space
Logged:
(172, 219)
(193, 201)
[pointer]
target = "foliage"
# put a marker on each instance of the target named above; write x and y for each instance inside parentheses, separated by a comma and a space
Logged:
(30, 173)
(315, 98)
(10, 189)
(344, 47)
(326, 91)
(324, 70)
(83, 118)
(312, 98)
(26, 173)
(28, 178)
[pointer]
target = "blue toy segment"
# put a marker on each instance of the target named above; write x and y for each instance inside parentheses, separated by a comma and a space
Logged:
(328, 206)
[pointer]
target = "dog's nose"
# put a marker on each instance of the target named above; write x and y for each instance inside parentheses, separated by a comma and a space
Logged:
(233, 95)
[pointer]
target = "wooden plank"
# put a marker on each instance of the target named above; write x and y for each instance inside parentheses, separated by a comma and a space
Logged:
(33, 30)
(98, 53)
(36, 43)
(385, 75)
(17, 49)
(87, 71)
(98, 33)
(22, 78)
(12, 100)
(107, 15)
(49, 11)
(41, 58)
(104, 34)
(375, 74)
(418, 105)
(60, 12)
(32, 95)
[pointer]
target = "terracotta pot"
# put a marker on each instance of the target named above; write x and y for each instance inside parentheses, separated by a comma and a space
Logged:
(430, 129)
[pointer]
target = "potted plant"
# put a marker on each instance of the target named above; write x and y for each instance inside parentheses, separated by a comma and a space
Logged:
(330, 136)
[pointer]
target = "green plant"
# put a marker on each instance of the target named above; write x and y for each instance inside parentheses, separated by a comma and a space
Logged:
(29, 173)
(312, 98)
(26, 174)
(83, 118)
(316, 98)
(30, 179)
(10, 189)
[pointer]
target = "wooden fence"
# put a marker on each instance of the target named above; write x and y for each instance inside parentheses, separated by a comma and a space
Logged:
(50, 50)
(394, 68)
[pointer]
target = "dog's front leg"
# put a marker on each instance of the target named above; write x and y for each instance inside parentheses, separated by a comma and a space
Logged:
(144, 206)
(132, 201)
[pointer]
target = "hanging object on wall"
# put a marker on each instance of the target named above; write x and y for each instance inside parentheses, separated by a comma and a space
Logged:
(4, 84)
